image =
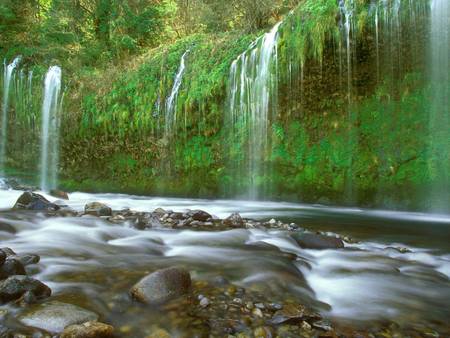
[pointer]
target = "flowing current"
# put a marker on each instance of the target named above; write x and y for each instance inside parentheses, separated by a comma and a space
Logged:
(96, 262)
(50, 128)
(8, 77)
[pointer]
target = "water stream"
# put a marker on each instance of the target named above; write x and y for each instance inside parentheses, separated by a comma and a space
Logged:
(50, 128)
(7, 79)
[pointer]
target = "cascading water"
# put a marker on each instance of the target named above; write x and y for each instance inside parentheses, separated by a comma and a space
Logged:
(252, 101)
(170, 117)
(50, 128)
(8, 77)
(439, 125)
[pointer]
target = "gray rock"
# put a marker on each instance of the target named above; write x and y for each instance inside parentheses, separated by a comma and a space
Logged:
(11, 267)
(27, 259)
(56, 316)
(32, 201)
(97, 209)
(313, 241)
(161, 286)
(17, 286)
(199, 215)
(235, 220)
(7, 228)
(59, 194)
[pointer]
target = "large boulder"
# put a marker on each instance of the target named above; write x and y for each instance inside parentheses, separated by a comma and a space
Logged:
(161, 286)
(32, 201)
(315, 241)
(17, 286)
(56, 316)
(88, 330)
(97, 209)
(235, 220)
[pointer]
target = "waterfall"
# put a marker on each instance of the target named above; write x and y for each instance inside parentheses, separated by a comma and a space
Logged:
(8, 76)
(252, 101)
(50, 128)
(170, 117)
(439, 125)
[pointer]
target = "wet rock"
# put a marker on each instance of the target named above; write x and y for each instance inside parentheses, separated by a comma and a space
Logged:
(28, 259)
(263, 332)
(97, 209)
(17, 286)
(32, 201)
(159, 333)
(88, 330)
(314, 241)
(204, 302)
(56, 316)
(147, 221)
(59, 194)
(8, 252)
(160, 211)
(235, 220)
(11, 267)
(7, 228)
(199, 215)
(161, 286)
(289, 313)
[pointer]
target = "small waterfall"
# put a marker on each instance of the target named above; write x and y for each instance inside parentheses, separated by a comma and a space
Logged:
(170, 117)
(252, 101)
(50, 128)
(439, 124)
(8, 76)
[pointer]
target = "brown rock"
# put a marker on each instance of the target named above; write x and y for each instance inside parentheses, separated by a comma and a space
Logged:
(88, 330)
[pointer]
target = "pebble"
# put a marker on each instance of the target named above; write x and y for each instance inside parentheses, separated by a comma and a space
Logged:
(204, 302)
(258, 313)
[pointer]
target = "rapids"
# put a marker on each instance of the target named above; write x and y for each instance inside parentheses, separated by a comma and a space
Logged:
(93, 263)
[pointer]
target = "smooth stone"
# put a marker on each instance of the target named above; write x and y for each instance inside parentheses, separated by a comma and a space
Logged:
(88, 330)
(313, 241)
(7, 228)
(16, 286)
(55, 316)
(32, 201)
(97, 209)
(161, 286)
(28, 259)
(59, 194)
(159, 333)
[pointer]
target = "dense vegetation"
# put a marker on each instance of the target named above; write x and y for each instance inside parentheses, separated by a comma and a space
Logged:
(337, 127)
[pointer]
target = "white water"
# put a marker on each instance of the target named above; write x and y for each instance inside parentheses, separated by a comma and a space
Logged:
(171, 102)
(439, 124)
(252, 103)
(50, 128)
(8, 76)
(366, 281)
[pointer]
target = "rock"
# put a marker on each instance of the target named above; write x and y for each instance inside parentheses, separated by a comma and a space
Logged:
(160, 211)
(289, 313)
(59, 194)
(199, 215)
(313, 241)
(263, 332)
(8, 252)
(97, 209)
(7, 228)
(88, 330)
(204, 302)
(161, 286)
(17, 286)
(257, 312)
(11, 267)
(159, 333)
(32, 201)
(147, 221)
(28, 259)
(56, 316)
(272, 221)
(235, 220)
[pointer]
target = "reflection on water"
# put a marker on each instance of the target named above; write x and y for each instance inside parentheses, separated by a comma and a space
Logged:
(97, 262)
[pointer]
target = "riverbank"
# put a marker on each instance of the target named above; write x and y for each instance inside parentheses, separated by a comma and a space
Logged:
(247, 277)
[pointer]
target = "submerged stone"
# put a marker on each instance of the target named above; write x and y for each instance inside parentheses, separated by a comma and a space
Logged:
(56, 316)
(17, 286)
(314, 241)
(88, 330)
(161, 286)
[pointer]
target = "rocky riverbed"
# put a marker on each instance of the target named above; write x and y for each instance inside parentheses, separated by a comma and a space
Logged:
(99, 271)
